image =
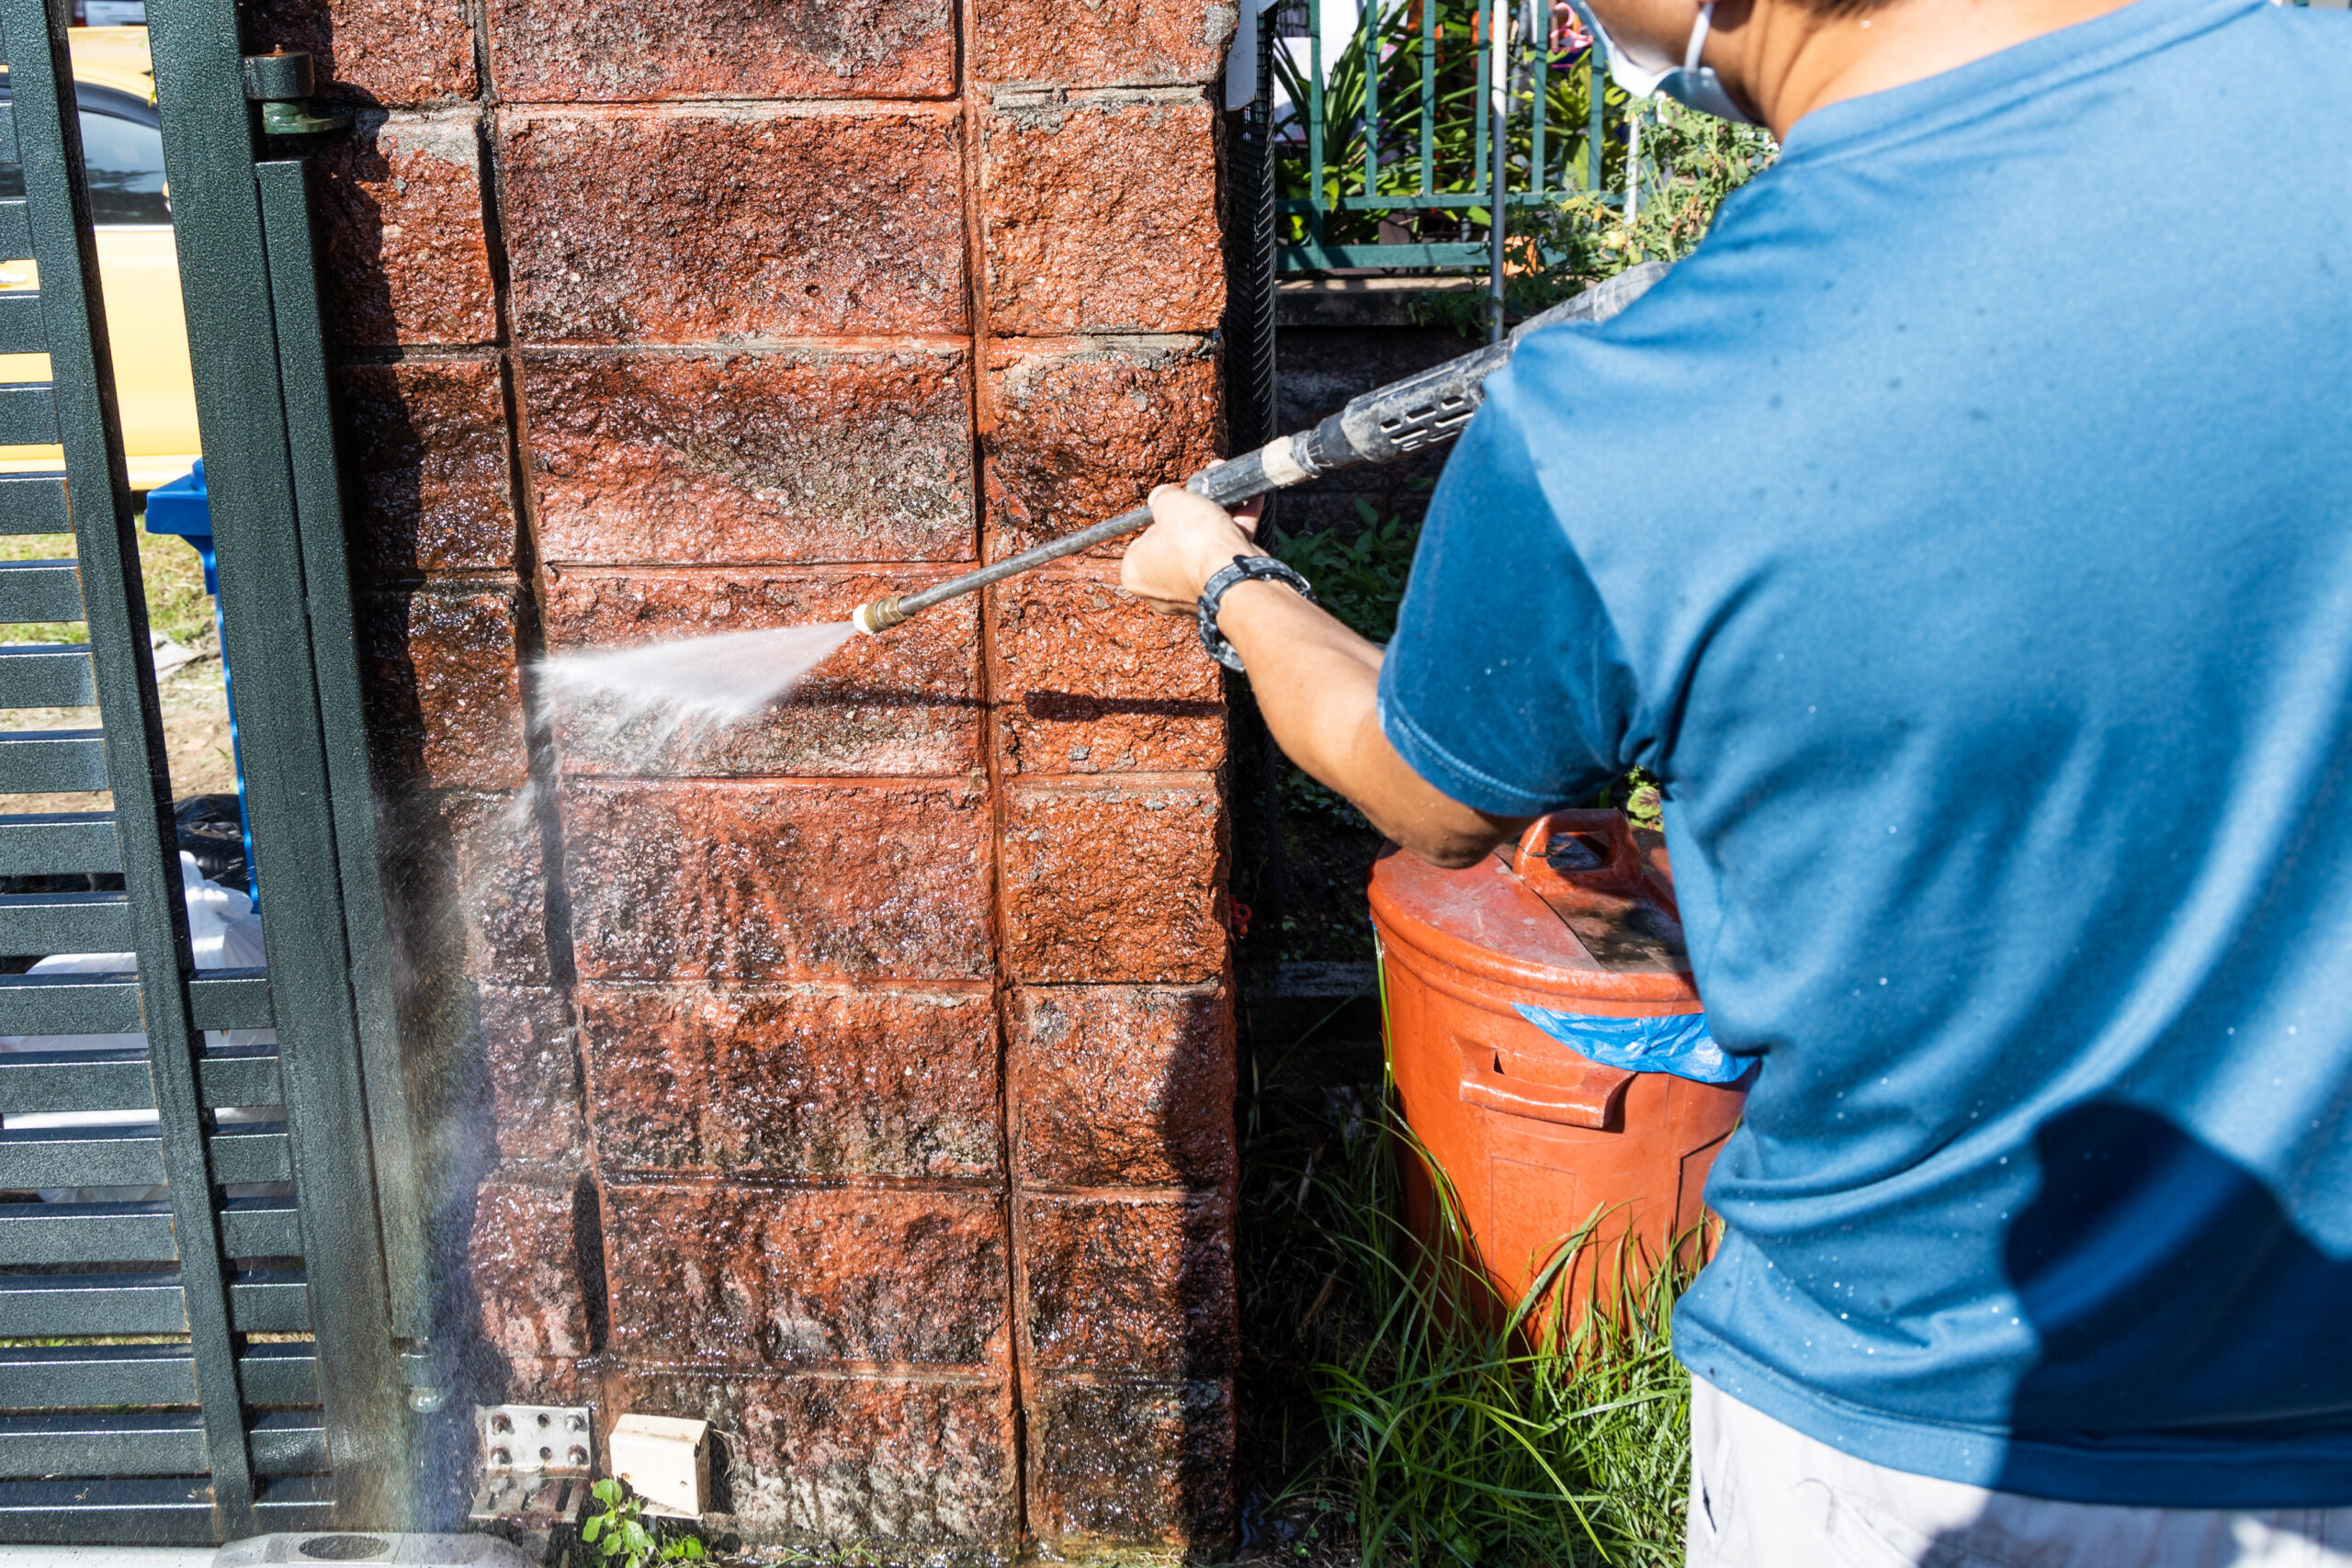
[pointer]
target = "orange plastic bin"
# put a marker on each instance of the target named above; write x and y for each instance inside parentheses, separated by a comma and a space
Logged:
(1536, 1138)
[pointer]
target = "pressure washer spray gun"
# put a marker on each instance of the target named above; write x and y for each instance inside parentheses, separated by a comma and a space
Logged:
(1411, 415)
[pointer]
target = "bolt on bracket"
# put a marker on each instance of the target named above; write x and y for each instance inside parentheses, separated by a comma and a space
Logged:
(537, 1463)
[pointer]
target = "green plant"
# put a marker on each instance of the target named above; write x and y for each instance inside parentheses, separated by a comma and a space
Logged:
(1690, 163)
(1358, 575)
(620, 1537)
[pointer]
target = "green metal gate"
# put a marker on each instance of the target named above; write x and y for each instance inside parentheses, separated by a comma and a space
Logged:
(201, 1367)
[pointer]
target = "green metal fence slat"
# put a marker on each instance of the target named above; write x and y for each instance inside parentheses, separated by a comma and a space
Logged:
(270, 1301)
(261, 1228)
(8, 132)
(285, 1442)
(68, 1004)
(117, 1078)
(232, 999)
(143, 1512)
(16, 230)
(33, 504)
(101, 1444)
(52, 1305)
(64, 1377)
(20, 329)
(295, 1503)
(28, 414)
(31, 1082)
(252, 1151)
(289, 1442)
(38, 924)
(46, 675)
(53, 761)
(38, 589)
(262, 1301)
(51, 843)
(279, 1373)
(86, 1232)
(245, 1077)
(82, 1156)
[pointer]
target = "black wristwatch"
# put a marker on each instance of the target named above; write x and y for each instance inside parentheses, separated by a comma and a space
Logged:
(1243, 569)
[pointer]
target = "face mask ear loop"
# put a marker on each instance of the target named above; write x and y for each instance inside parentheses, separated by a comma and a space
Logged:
(1699, 35)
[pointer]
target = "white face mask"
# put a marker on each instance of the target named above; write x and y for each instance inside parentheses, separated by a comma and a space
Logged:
(1691, 83)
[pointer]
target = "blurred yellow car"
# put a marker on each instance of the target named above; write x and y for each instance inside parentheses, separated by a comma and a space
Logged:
(122, 148)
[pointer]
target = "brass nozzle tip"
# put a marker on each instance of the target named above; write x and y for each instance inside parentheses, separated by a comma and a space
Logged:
(877, 615)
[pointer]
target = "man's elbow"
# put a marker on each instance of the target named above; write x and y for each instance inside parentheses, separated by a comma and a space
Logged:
(1448, 846)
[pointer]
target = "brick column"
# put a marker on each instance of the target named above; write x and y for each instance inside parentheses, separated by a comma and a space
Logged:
(861, 1080)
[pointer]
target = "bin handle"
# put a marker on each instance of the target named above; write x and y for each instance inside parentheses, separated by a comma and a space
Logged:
(1624, 862)
(1594, 1097)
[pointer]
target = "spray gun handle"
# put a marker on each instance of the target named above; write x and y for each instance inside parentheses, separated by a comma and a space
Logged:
(1405, 416)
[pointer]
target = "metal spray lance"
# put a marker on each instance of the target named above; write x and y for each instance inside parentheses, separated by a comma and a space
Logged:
(1411, 415)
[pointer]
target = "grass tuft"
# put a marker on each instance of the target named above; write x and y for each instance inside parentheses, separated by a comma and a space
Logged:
(1396, 1411)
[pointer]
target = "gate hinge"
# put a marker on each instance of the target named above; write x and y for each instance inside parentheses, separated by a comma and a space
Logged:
(281, 83)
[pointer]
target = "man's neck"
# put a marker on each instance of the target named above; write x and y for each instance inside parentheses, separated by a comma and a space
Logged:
(1787, 61)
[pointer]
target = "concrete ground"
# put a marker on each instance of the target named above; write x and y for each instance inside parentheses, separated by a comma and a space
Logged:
(105, 1556)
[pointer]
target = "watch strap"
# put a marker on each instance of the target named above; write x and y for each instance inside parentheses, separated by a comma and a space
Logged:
(1244, 568)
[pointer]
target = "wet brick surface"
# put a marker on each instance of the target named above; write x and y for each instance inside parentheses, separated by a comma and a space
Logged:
(798, 1081)
(407, 260)
(531, 1065)
(1111, 43)
(1101, 215)
(1130, 1285)
(425, 451)
(1084, 433)
(1092, 681)
(1113, 1463)
(524, 1253)
(1124, 1085)
(680, 225)
(745, 881)
(546, 50)
(1113, 881)
(787, 1276)
(906, 704)
(797, 454)
(834, 1459)
(444, 698)
(465, 887)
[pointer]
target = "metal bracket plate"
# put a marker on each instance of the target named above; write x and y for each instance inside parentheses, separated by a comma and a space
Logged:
(537, 1463)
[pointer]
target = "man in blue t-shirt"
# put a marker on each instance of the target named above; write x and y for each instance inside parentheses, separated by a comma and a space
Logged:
(1963, 535)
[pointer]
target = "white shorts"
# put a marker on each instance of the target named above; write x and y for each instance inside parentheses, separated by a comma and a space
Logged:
(1765, 1495)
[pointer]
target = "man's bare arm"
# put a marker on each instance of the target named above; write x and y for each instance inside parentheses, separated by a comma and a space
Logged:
(1316, 681)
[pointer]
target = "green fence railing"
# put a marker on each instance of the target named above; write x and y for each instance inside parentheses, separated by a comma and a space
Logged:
(1386, 154)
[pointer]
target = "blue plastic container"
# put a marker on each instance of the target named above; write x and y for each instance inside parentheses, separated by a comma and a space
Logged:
(184, 508)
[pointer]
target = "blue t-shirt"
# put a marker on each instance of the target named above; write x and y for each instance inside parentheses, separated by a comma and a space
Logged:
(1963, 535)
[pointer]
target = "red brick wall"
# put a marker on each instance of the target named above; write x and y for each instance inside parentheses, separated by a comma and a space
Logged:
(860, 1080)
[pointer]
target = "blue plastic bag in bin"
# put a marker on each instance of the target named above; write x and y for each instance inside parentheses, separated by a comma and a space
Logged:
(1677, 1043)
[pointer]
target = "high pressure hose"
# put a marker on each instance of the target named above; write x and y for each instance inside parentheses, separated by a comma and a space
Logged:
(1380, 426)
